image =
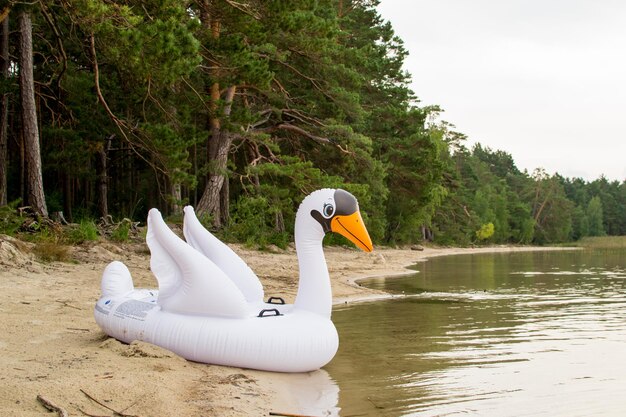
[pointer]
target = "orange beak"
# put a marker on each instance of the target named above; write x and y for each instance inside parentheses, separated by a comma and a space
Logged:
(353, 228)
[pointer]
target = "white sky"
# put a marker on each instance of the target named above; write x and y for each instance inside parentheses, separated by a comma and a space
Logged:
(544, 80)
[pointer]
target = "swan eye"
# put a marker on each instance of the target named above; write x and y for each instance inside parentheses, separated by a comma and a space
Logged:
(328, 210)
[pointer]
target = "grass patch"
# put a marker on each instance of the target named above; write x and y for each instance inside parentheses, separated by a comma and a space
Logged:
(601, 242)
(85, 231)
(121, 233)
(10, 222)
(52, 252)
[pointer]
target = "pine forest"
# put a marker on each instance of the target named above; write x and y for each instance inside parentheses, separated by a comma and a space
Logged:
(241, 108)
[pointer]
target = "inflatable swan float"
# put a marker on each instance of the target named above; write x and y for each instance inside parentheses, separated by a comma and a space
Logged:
(209, 306)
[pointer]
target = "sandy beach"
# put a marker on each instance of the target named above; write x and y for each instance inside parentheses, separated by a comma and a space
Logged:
(50, 345)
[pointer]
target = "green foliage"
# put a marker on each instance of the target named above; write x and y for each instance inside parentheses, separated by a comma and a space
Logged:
(485, 232)
(594, 217)
(609, 202)
(121, 233)
(10, 221)
(265, 214)
(28, 227)
(173, 151)
(551, 209)
(154, 42)
(536, 209)
(86, 230)
(255, 222)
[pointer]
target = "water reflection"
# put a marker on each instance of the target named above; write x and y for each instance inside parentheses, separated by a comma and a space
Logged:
(313, 393)
(503, 334)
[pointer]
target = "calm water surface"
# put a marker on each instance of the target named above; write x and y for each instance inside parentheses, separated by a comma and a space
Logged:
(535, 333)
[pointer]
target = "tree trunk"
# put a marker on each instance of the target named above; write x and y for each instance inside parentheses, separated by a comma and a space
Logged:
(177, 197)
(103, 179)
(4, 112)
(68, 195)
(22, 168)
(225, 201)
(35, 194)
(212, 200)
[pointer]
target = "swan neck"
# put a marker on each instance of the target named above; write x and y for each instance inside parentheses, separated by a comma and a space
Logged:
(314, 289)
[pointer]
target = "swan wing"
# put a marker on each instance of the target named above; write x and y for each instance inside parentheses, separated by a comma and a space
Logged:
(223, 256)
(189, 282)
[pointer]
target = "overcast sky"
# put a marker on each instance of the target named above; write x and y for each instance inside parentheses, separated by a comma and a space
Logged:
(544, 80)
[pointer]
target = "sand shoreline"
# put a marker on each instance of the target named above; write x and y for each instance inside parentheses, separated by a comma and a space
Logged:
(51, 346)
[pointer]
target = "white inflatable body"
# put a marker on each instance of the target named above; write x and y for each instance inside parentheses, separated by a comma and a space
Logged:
(209, 306)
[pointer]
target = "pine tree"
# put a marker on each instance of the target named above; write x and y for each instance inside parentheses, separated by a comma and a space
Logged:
(30, 127)
(4, 106)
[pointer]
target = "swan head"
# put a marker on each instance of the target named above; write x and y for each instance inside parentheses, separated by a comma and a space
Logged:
(336, 210)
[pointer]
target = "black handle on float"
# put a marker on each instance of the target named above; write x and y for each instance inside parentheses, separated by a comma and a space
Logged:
(269, 300)
(274, 310)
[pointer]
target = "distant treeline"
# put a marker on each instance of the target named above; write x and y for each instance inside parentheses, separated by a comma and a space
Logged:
(241, 109)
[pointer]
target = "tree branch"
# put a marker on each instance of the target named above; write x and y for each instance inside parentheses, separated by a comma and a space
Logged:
(316, 84)
(282, 89)
(49, 405)
(297, 114)
(120, 124)
(302, 132)
(96, 76)
(58, 37)
(202, 99)
(245, 8)
(267, 114)
(4, 13)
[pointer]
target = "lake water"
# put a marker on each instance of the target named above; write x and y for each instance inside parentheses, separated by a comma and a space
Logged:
(533, 333)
